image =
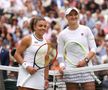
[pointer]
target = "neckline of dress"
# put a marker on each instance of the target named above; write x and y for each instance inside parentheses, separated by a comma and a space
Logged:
(37, 37)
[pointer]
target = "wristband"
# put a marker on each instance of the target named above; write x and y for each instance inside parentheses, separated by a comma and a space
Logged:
(24, 65)
(62, 65)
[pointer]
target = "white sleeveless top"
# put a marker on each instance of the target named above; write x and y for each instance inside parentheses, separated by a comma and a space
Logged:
(31, 50)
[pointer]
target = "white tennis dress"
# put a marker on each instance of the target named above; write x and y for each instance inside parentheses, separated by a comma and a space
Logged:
(37, 80)
(84, 36)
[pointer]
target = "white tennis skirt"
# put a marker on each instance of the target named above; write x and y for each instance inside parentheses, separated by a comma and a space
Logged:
(35, 82)
(79, 77)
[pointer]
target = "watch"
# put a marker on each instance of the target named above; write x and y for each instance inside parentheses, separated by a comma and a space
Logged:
(86, 60)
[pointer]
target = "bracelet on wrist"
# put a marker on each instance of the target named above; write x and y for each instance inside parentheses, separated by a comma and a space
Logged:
(25, 65)
(62, 65)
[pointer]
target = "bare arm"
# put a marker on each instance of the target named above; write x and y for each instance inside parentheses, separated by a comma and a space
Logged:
(25, 42)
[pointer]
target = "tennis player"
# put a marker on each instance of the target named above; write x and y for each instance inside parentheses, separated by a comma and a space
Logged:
(25, 57)
(84, 36)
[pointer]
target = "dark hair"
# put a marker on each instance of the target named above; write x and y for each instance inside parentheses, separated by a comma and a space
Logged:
(34, 21)
(1, 38)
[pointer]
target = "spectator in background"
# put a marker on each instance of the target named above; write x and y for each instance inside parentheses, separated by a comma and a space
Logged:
(13, 6)
(3, 34)
(10, 41)
(39, 7)
(104, 5)
(46, 4)
(99, 37)
(25, 29)
(4, 22)
(105, 56)
(66, 4)
(14, 23)
(28, 8)
(48, 32)
(90, 22)
(103, 59)
(92, 6)
(97, 30)
(17, 34)
(96, 14)
(59, 3)
(4, 57)
(83, 16)
(62, 19)
(104, 22)
(100, 49)
(20, 17)
(56, 30)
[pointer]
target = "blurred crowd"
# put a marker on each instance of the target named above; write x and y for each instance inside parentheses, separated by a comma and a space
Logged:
(15, 16)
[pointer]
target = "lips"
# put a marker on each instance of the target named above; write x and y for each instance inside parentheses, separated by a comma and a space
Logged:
(43, 31)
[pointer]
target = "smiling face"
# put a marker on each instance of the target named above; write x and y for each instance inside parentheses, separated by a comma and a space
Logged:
(40, 27)
(73, 17)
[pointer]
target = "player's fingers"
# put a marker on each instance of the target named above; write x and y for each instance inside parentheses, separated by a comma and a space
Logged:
(61, 70)
(34, 70)
(46, 84)
(31, 70)
(78, 65)
(81, 64)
